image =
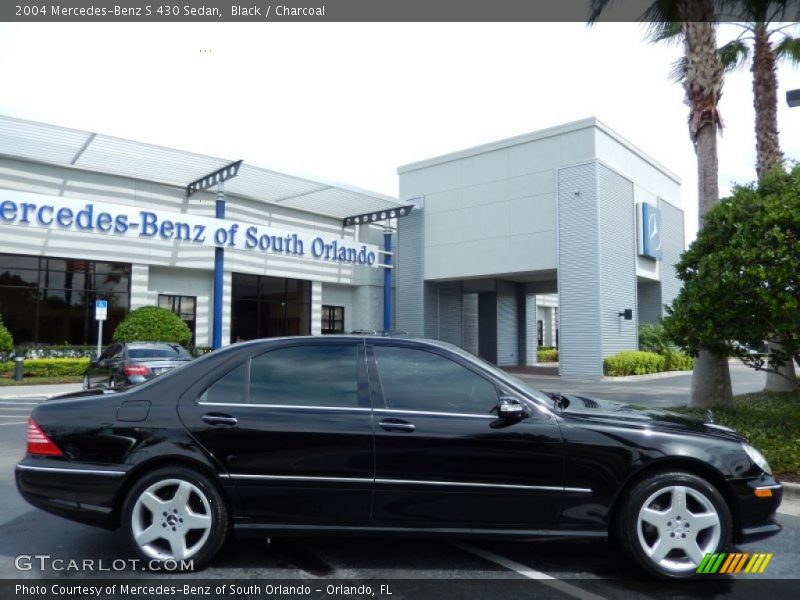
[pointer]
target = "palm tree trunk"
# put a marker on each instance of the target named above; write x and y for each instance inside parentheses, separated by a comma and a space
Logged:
(768, 154)
(765, 102)
(711, 381)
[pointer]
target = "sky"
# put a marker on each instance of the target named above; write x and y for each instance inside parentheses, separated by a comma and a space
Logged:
(352, 102)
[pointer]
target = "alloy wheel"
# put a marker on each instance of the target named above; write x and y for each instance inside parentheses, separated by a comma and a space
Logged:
(171, 519)
(677, 526)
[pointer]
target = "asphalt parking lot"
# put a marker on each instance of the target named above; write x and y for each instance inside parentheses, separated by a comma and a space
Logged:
(553, 568)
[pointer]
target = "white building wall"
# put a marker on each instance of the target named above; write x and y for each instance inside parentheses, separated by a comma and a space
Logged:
(169, 267)
(316, 308)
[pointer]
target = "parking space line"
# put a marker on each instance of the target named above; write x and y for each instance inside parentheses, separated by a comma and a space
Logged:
(526, 571)
(14, 423)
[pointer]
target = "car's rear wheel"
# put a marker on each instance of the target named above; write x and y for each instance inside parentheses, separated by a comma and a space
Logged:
(175, 514)
(112, 383)
(670, 521)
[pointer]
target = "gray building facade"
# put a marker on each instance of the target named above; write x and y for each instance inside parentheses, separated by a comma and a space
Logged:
(574, 213)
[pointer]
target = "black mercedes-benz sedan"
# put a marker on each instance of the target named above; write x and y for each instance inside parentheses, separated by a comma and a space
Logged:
(363, 434)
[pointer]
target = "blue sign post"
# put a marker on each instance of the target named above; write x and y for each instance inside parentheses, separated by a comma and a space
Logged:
(100, 315)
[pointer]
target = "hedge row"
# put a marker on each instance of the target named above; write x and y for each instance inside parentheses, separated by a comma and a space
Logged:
(636, 362)
(48, 367)
(547, 355)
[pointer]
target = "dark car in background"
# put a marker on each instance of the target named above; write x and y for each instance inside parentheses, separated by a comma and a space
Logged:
(122, 365)
(382, 435)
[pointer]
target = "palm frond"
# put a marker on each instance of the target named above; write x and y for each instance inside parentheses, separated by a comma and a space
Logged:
(788, 48)
(678, 71)
(596, 8)
(733, 55)
(664, 31)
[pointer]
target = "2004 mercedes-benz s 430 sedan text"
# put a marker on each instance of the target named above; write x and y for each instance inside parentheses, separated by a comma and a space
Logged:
(357, 434)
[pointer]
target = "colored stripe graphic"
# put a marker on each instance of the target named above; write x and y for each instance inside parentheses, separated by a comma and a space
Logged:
(723, 562)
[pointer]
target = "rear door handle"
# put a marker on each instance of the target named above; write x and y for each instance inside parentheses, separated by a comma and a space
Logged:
(219, 419)
(396, 425)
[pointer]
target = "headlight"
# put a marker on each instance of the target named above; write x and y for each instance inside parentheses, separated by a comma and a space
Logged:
(757, 458)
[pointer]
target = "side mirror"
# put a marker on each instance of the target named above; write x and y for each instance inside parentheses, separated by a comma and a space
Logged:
(510, 408)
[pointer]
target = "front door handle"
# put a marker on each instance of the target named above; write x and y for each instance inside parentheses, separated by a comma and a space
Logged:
(396, 425)
(219, 419)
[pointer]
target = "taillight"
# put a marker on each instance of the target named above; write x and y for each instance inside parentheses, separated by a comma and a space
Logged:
(142, 370)
(38, 442)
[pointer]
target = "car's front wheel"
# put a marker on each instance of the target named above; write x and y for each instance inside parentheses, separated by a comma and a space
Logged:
(174, 517)
(671, 520)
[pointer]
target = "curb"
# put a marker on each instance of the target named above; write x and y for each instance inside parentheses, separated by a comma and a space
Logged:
(648, 376)
(791, 491)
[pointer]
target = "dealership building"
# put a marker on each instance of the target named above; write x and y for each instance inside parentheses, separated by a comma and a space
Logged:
(566, 237)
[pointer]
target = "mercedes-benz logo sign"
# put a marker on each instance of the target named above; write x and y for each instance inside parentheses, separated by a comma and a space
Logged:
(654, 232)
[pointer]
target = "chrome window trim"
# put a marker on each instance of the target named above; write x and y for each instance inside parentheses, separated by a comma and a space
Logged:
(434, 413)
(402, 482)
(70, 470)
(298, 406)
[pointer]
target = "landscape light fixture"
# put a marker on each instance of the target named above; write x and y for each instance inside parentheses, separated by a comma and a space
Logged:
(793, 98)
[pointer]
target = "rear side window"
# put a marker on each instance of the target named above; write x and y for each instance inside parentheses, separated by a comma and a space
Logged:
(306, 376)
(228, 389)
(423, 381)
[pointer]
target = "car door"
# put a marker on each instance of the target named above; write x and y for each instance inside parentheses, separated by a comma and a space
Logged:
(292, 426)
(443, 459)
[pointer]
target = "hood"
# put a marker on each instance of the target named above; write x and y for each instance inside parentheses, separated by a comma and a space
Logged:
(571, 406)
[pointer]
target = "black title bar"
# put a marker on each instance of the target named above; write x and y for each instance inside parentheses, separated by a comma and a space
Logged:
(337, 11)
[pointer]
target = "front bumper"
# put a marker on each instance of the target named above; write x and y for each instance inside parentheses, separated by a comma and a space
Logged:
(759, 500)
(82, 493)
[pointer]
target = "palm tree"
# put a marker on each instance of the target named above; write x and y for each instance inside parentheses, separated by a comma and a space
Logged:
(694, 20)
(765, 37)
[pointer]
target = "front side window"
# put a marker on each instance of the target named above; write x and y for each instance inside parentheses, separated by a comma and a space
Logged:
(423, 381)
(305, 376)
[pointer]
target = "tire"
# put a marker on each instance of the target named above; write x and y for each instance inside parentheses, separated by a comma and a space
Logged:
(670, 521)
(112, 383)
(159, 513)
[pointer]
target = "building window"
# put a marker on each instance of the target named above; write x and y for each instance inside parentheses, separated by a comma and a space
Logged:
(332, 319)
(269, 307)
(49, 300)
(183, 306)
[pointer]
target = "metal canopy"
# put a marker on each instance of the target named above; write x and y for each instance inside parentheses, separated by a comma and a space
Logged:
(46, 143)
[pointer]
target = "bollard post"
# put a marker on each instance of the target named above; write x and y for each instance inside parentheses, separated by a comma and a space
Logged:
(19, 368)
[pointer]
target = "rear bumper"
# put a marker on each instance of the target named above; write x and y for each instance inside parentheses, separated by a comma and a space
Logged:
(80, 493)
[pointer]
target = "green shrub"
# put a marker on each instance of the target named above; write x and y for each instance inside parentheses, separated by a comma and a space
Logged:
(677, 360)
(48, 367)
(153, 324)
(633, 362)
(771, 423)
(547, 355)
(653, 338)
(6, 341)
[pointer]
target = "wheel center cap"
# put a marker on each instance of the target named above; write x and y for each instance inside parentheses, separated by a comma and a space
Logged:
(172, 520)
